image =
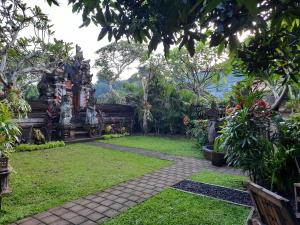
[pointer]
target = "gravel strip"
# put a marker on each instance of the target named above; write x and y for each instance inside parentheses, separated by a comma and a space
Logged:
(227, 194)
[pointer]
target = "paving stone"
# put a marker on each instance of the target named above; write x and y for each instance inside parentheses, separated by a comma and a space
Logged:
(110, 213)
(130, 203)
(116, 206)
(107, 202)
(103, 194)
(134, 198)
(138, 193)
(102, 220)
(92, 205)
(77, 208)
(77, 220)
(60, 222)
(98, 199)
(42, 215)
(69, 215)
(59, 211)
(89, 223)
(29, 221)
(112, 197)
(124, 195)
(90, 197)
(116, 192)
(119, 188)
(50, 219)
(82, 201)
(120, 200)
(85, 212)
(85, 201)
(69, 205)
(147, 191)
(95, 216)
(101, 208)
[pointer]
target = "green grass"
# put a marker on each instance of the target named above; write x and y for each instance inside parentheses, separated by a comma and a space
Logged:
(172, 207)
(48, 178)
(226, 180)
(174, 146)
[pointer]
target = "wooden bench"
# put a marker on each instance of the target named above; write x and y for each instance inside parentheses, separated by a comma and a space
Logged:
(272, 209)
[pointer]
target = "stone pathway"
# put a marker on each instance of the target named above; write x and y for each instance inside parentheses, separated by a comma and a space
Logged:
(99, 207)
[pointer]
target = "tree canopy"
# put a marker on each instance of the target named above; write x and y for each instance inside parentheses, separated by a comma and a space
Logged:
(114, 58)
(184, 22)
(198, 72)
(24, 57)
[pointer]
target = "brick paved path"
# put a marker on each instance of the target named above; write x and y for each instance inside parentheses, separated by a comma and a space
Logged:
(98, 207)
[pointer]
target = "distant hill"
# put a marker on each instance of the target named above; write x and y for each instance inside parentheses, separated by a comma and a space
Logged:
(102, 87)
(218, 90)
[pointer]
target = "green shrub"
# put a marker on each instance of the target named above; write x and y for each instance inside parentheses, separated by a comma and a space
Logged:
(255, 141)
(111, 136)
(197, 129)
(33, 147)
(9, 130)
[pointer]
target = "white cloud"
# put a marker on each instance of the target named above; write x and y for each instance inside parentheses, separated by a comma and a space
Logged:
(66, 27)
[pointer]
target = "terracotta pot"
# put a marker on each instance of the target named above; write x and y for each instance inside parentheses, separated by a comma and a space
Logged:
(218, 159)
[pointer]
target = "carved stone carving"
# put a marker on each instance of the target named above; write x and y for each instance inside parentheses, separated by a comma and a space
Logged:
(212, 133)
(91, 116)
(65, 112)
(69, 93)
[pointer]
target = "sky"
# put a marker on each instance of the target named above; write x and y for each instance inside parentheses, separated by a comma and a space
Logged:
(66, 27)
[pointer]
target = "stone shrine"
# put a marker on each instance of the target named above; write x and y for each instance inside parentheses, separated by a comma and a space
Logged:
(69, 96)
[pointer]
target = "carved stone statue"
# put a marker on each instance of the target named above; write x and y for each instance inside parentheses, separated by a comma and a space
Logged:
(65, 112)
(91, 116)
(79, 53)
(38, 137)
(212, 133)
(213, 114)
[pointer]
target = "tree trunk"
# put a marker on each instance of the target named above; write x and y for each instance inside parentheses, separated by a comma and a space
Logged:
(145, 105)
(145, 124)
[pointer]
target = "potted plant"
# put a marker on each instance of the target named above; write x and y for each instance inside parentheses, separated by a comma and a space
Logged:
(9, 133)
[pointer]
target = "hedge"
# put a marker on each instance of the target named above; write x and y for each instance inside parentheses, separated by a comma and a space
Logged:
(110, 136)
(33, 147)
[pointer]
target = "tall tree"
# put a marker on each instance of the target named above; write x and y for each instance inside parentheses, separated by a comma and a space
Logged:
(25, 57)
(198, 72)
(154, 66)
(115, 58)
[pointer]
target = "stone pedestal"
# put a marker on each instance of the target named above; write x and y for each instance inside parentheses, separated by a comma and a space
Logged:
(4, 187)
(297, 199)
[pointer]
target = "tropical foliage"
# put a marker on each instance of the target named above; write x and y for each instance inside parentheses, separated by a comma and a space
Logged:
(24, 58)
(9, 130)
(183, 22)
(258, 140)
(197, 129)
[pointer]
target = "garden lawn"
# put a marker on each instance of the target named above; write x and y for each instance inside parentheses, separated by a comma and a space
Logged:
(222, 179)
(48, 178)
(175, 146)
(172, 207)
